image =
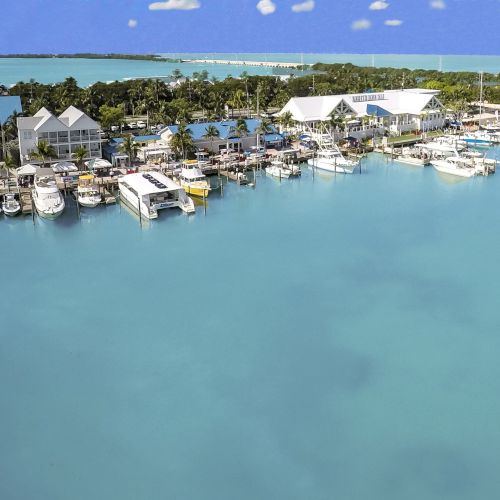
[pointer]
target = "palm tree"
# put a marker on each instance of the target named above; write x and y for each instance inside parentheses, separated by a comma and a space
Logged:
(236, 101)
(239, 130)
(182, 141)
(44, 150)
(264, 128)
(211, 133)
(129, 147)
(286, 120)
(79, 154)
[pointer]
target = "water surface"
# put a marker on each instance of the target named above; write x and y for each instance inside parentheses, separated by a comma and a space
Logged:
(326, 337)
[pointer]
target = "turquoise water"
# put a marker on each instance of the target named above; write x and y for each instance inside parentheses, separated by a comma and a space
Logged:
(88, 71)
(326, 337)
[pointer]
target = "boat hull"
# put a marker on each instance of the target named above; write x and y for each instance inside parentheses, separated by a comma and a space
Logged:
(459, 172)
(199, 191)
(339, 168)
(89, 202)
(11, 212)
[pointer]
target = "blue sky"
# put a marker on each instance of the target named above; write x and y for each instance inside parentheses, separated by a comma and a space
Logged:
(334, 26)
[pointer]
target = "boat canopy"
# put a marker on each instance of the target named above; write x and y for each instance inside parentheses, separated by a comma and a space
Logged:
(86, 177)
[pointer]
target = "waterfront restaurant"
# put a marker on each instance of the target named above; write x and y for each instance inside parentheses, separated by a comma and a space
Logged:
(228, 138)
(65, 133)
(366, 115)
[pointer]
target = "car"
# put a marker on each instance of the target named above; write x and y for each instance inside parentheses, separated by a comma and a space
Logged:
(132, 125)
(115, 128)
(141, 124)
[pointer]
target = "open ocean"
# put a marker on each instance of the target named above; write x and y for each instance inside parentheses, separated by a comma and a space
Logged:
(326, 337)
(88, 71)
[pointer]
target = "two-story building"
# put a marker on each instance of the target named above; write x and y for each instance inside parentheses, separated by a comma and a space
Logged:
(65, 133)
(368, 114)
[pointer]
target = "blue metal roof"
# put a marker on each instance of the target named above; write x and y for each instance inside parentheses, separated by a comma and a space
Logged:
(9, 104)
(374, 110)
(273, 138)
(200, 129)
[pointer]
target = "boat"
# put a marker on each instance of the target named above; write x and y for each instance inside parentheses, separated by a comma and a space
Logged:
(281, 169)
(454, 165)
(333, 160)
(193, 180)
(10, 205)
(88, 194)
(48, 200)
(413, 156)
(147, 193)
(478, 139)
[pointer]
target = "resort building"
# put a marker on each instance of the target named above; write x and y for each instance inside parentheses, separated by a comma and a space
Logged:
(66, 132)
(366, 115)
(150, 147)
(228, 137)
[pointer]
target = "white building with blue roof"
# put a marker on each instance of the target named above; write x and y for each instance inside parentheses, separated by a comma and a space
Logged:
(228, 138)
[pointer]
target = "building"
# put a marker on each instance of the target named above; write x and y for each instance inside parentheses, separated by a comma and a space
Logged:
(149, 148)
(228, 138)
(66, 132)
(369, 114)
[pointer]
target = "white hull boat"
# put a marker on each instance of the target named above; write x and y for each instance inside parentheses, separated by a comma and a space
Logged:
(10, 206)
(48, 200)
(332, 160)
(279, 170)
(150, 192)
(87, 193)
(454, 166)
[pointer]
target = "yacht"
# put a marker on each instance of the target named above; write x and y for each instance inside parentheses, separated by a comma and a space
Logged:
(333, 161)
(10, 205)
(413, 156)
(48, 200)
(193, 180)
(147, 193)
(454, 165)
(281, 170)
(88, 194)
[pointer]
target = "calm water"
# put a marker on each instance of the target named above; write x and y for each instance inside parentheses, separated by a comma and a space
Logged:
(334, 337)
(88, 71)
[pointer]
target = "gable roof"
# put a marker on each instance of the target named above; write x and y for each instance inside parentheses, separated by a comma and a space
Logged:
(65, 121)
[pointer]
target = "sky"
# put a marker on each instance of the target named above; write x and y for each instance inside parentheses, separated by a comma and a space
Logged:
(317, 26)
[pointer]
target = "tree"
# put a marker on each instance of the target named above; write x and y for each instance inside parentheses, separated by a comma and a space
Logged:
(286, 120)
(239, 130)
(182, 141)
(236, 101)
(264, 128)
(130, 148)
(110, 116)
(79, 154)
(211, 133)
(44, 150)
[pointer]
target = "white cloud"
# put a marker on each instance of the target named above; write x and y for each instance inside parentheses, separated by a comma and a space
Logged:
(361, 24)
(379, 5)
(306, 6)
(437, 4)
(175, 5)
(393, 22)
(266, 7)
(132, 23)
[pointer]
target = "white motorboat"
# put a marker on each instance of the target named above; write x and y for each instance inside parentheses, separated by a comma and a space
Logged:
(10, 205)
(147, 193)
(478, 139)
(88, 194)
(454, 165)
(413, 156)
(284, 170)
(333, 160)
(48, 200)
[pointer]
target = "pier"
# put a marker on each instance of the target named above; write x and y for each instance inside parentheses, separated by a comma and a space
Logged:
(265, 64)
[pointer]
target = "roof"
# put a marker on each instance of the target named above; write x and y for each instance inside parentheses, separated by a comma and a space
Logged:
(200, 129)
(273, 138)
(137, 138)
(143, 186)
(27, 170)
(320, 108)
(9, 104)
(71, 118)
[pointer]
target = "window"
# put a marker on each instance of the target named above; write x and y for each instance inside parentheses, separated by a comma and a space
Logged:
(74, 135)
(27, 134)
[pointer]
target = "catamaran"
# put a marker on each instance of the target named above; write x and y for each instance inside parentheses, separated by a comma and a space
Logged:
(47, 198)
(10, 205)
(88, 194)
(193, 180)
(147, 193)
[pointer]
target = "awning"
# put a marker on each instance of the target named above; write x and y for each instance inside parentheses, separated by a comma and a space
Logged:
(374, 110)
(27, 170)
(64, 166)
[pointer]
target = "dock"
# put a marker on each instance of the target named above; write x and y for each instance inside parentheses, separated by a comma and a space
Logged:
(228, 62)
